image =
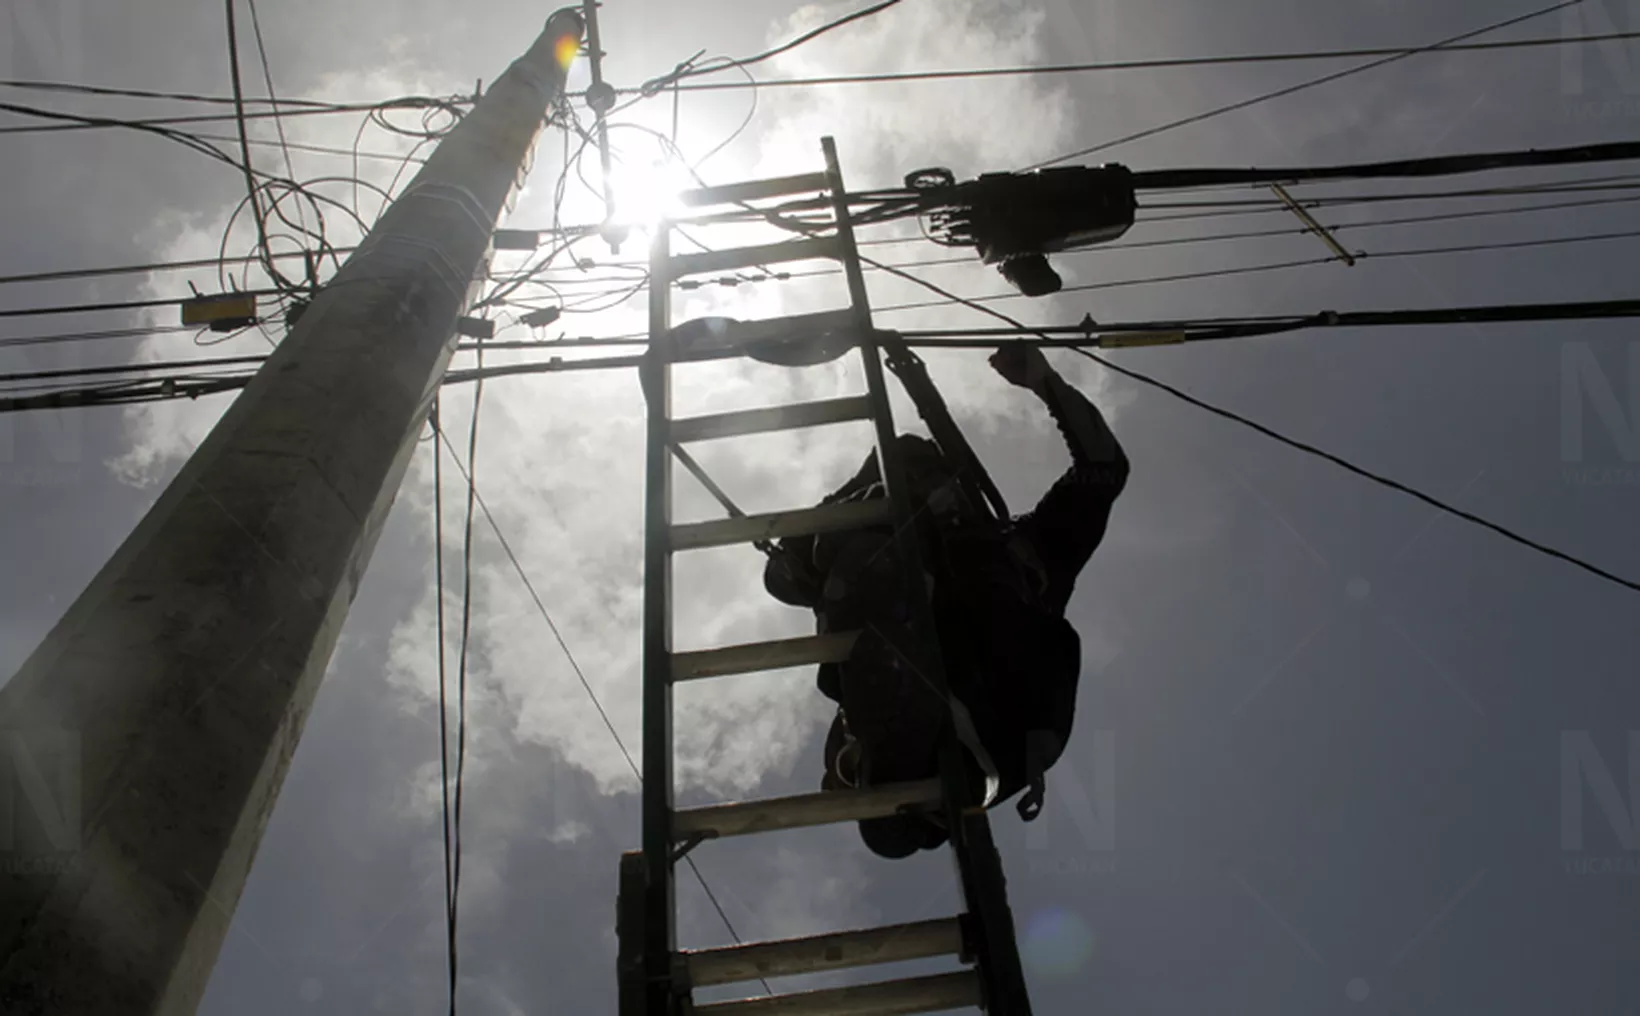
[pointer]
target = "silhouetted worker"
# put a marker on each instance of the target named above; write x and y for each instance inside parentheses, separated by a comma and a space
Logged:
(999, 592)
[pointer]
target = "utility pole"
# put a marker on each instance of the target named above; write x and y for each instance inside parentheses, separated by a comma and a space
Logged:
(601, 98)
(144, 742)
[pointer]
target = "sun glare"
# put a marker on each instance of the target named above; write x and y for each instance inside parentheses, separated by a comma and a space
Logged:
(646, 191)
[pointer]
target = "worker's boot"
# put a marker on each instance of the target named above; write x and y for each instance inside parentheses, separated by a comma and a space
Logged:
(894, 716)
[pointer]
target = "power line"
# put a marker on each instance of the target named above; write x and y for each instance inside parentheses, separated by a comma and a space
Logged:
(621, 287)
(77, 122)
(1095, 335)
(1292, 89)
(196, 141)
(1129, 65)
(938, 262)
(903, 76)
(129, 368)
(278, 121)
(112, 333)
(1176, 241)
(193, 263)
(186, 386)
(1233, 206)
(219, 100)
(687, 69)
(157, 266)
(302, 146)
(1443, 165)
(1377, 478)
(1246, 327)
(1336, 227)
(1256, 269)
(244, 148)
(88, 308)
(788, 46)
(1293, 443)
(1190, 330)
(443, 698)
(1211, 210)
(546, 615)
(558, 636)
(201, 146)
(1212, 273)
(471, 474)
(308, 104)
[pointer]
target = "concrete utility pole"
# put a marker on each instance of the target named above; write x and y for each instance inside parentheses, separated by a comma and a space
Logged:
(142, 746)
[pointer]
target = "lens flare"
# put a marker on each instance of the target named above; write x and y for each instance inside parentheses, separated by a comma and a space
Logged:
(1057, 942)
(566, 49)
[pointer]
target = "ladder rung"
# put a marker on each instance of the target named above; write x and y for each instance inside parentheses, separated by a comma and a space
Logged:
(758, 421)
(819, 953)
(759, 656)
(747, 257)
(938, 993)
(742, 818)
(828, 518)
(754, 190)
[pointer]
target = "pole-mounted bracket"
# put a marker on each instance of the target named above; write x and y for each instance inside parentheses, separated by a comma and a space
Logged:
(682, 850)
(1312, 225)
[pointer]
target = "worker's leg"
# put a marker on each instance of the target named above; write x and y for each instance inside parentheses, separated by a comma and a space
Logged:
(892, 710)
(861, 586)
(901, 835)
(895, 837)
(895, 716)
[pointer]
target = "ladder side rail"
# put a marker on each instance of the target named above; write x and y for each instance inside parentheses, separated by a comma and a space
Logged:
(985, 888)
(890, 468)
(980, 870)
(630, 959)
(658, 931)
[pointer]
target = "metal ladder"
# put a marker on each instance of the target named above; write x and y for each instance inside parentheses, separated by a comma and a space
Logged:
(655, 977)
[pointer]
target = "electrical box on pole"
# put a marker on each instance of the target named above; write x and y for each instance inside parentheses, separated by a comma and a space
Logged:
(1015, 220)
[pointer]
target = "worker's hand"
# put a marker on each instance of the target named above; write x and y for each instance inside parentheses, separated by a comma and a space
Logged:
(1021, 364)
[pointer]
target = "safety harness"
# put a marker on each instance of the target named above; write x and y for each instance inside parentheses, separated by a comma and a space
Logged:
(995, 523)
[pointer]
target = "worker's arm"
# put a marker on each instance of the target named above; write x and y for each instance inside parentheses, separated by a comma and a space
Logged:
(1092, 445)
(1069, 523)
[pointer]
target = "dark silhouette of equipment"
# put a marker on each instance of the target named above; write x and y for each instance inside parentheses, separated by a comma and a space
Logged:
(1015, 220)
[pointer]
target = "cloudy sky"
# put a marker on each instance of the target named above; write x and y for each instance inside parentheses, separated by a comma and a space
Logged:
(1323, 730)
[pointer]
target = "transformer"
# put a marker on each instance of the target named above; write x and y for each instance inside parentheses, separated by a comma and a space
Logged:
(1015, 220)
